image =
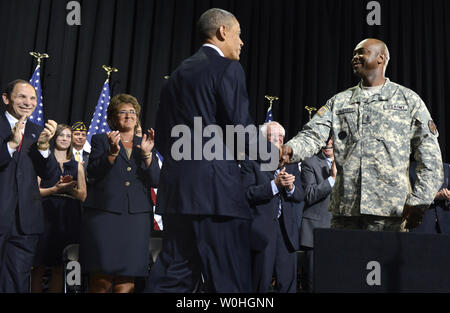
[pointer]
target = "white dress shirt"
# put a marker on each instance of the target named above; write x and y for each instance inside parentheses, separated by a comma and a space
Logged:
(215, 48)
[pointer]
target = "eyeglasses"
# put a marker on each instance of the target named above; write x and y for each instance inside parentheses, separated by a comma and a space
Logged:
(328, 148)
(131, 112)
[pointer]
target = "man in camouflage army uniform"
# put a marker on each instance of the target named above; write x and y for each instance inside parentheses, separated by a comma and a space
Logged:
(375, 127)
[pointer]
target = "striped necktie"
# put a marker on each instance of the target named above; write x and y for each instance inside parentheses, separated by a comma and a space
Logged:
(278, 195)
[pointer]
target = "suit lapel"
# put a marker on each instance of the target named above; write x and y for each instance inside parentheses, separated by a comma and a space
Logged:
(270, 174)
(323, 165)
(5, 128)
(29, 136)
(31, 132)
(136, 141)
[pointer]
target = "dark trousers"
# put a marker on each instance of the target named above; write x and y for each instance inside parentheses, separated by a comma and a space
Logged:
(215, 247)
(307, 266)
(278, 260)
(429, 224)
(16, 258)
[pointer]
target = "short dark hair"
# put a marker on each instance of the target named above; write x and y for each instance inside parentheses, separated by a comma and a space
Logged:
(211, 20)
(10, 87)
(114, 105)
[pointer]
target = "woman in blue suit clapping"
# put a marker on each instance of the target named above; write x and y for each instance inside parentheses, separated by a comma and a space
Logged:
(118, 212)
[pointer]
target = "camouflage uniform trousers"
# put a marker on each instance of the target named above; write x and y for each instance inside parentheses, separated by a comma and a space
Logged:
(369, 222)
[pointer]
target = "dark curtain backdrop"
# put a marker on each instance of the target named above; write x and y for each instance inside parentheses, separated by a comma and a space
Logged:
(297, 50)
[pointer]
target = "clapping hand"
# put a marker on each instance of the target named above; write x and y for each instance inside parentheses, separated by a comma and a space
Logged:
(47, 133)
(113, 140)
(65, 184)
(284, 180)
(333, 170)
(148, 142)
(17, 133)
(443, 194)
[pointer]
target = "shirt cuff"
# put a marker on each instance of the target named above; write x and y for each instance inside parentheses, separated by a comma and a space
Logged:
(274, 187)
(45, 153)
(290, 193)
(331, 181)
(11, 151)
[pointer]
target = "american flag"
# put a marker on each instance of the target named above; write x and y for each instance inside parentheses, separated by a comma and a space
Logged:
(37, 116)
(157, 221)
(98, 122)
(269, 117)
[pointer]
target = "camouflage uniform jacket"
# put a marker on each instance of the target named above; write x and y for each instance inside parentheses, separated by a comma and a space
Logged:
(373, 139)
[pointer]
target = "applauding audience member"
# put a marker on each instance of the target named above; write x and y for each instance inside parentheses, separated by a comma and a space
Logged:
(318, 178)
(24, 151)
(62, 192)
(79, 135)
(436, 219)
(275, 197)
(118, 211)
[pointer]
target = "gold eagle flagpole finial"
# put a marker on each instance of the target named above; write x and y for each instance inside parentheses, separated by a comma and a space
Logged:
(310, 110)
(109, 69)
(271, 100)
(39, 56)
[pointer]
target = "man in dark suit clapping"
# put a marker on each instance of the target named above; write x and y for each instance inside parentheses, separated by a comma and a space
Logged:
(275, 197)
(24, 151)
(318, 177)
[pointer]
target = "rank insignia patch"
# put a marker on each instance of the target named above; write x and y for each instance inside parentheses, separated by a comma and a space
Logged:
(432, 127)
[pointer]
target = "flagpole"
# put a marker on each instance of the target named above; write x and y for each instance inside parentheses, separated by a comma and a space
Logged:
(99, 119)
(269, 110)
(37, 116)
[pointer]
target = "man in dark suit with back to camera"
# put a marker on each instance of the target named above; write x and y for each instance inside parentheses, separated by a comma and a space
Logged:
(24, 151)
(206, 217)
(318, 178)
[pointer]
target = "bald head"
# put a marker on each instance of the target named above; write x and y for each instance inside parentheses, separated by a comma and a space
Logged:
(376, 45)
(370, 60)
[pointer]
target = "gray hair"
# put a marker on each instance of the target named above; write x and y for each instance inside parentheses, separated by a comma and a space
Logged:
(265, 125)
(211, 20)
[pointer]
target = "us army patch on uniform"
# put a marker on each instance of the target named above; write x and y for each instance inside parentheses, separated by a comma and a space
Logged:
(322, 110)
(432, 127)
(398, 107)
